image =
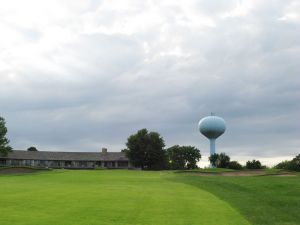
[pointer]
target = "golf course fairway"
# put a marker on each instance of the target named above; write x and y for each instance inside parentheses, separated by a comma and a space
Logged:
(108, 197)
(66, 197)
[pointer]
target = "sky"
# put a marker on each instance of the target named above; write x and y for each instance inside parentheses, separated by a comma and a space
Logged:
(79, 75)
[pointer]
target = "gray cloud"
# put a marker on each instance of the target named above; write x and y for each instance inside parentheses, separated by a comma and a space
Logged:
(92, 77)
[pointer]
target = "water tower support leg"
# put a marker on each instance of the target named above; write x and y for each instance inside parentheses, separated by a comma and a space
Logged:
(212, 146)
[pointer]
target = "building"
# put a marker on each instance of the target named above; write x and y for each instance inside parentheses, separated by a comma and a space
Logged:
(68, 160)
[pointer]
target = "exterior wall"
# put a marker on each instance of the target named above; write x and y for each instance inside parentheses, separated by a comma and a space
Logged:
(64, 164)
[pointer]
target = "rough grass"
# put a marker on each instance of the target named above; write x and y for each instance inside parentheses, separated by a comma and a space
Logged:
(262, 200)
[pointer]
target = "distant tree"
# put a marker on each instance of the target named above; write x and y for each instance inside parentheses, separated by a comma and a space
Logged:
(176, 158)
(223, 160)
(293, 164)
(285, 165)
(192, 156)
(183, 157)
(145, 150)
(125, 150)
(234, 165)
(219, 160)
(254, 164)
(32, 149)
(213, 159)
(4, 142)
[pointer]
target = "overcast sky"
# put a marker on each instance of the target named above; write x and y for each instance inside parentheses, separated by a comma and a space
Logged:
(81, 75)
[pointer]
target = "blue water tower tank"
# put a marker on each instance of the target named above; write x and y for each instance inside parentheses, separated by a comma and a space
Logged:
(212, 127)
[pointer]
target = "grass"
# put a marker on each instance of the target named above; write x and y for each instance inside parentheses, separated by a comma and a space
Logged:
(262, 200)
(123, 197)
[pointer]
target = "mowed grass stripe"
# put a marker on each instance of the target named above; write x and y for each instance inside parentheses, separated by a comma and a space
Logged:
(109, 197)
(262, 200)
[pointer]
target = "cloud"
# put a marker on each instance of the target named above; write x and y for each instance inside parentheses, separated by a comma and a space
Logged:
(79, 75)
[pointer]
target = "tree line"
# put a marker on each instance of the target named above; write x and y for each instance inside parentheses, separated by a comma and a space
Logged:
(146, 150)
(223, 161)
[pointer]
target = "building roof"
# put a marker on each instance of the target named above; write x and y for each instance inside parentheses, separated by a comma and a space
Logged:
(75, 156)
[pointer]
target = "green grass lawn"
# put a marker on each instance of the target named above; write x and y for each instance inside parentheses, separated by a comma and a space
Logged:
(262, 200)
(139, 197)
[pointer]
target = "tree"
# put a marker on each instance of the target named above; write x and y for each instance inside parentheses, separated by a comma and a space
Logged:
(235, 165)
(223, 160)
(293, 164)
(213, 159)
(219, 160)
(192, 156)
(32, 149)
(285, 165)
(176, 158)
(4, 147)
(183, 157)
(254, 164)
(145, 150)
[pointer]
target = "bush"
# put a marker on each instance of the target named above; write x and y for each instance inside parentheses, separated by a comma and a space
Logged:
(294, 164)
(234, 165)
(254, 164)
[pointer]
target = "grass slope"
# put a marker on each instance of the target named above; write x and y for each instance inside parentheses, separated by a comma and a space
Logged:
(110, 197)
(262, 200)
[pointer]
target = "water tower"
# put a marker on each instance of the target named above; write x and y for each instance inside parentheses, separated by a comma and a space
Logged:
(212, 127)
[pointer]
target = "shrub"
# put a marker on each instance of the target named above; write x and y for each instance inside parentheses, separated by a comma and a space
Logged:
(234, 165)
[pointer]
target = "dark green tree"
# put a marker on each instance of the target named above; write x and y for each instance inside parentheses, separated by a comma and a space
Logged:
(295, 163)
(183, 157)
(219, 160)
(235, 165)
(223, 160)
(285, 165)
(32, 149)
(176, 158)
(192, 156)
(4, 142)
(213, 159)
(145, 150)
(254, 164)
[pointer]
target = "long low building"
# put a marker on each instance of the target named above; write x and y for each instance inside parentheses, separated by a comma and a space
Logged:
(68, 160)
